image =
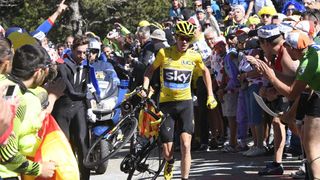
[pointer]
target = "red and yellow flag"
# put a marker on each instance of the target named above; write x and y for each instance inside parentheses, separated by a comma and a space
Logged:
(56, 147)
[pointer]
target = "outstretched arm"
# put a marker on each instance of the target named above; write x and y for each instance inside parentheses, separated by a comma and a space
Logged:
(46, 26)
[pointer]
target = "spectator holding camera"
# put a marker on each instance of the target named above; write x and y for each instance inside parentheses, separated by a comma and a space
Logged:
(29, 70)
(6, 114)
(301, 48)
(272, 43)
(251, 81)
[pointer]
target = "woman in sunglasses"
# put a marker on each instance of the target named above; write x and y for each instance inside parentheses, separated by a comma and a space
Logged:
(292, 6)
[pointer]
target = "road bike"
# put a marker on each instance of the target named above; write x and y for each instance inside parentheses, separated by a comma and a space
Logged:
(145, 160)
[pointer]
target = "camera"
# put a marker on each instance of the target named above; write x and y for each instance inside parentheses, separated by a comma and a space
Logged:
(11, 92)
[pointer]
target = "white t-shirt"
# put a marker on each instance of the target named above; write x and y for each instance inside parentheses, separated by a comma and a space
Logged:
(258, 4)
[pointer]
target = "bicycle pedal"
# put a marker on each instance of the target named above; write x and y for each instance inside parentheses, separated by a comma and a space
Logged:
(143, 167)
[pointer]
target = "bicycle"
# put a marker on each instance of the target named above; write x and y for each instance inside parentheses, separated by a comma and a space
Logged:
(145, 159)
(118, 135)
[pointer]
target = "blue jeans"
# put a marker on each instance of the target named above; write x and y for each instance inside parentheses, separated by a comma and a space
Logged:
(254, 111)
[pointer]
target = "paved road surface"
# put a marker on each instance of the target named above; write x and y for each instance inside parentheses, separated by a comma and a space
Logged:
(210, 165)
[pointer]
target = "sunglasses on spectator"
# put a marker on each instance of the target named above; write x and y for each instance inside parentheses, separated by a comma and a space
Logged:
(265, 15)
(184, 38)
(197, 5)
(207, 24)
(291, 9)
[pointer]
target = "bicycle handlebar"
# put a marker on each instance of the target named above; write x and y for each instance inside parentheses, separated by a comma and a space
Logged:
(145, 100)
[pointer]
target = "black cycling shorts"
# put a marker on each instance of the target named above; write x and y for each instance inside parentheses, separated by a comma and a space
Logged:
(181, 114)
(313, 106)
(302, 106)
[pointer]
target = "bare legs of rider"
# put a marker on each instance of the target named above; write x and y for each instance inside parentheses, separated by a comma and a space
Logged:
(185, 145)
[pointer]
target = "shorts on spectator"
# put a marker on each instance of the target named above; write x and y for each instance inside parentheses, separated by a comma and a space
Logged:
(254, 111)
(229, 105)
(309, 106)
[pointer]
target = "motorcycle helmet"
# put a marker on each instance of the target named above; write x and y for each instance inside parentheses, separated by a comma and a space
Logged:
(94, 44)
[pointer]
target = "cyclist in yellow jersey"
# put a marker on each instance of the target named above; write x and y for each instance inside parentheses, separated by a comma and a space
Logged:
(176, 66)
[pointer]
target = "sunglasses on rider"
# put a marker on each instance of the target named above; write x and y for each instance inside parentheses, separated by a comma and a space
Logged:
(184, 38)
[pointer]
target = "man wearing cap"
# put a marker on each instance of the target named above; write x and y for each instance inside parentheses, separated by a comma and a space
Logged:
(271, 42)
(225, 71)
(266, 14)
(159, 41)
(237, 20)
(145, 57)
(301, 48)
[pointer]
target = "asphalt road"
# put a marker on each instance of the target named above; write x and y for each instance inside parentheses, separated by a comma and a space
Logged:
(210, 165)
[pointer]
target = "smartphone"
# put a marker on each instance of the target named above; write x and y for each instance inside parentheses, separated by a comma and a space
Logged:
(11, 92)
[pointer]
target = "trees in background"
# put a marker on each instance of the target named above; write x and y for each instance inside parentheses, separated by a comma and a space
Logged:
(83, 15)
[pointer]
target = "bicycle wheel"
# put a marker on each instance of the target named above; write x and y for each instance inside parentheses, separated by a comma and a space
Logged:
(149, 162)
(117, 138)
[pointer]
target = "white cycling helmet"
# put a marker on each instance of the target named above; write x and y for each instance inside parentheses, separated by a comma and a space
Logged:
(94, 44)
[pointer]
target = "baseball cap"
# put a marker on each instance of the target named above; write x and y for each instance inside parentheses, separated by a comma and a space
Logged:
(19, 39)
(242, 30)
(159, 34)
(268, 31)
(267, 10)
(306, 27)
(294, 18)
(143, 23)
(220, 39)
(285, 28)
(298, 40)
(14, 29)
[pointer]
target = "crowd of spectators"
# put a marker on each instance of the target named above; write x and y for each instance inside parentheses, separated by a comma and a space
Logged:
(250, 46)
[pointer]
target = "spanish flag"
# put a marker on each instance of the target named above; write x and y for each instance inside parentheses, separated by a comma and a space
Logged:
(56, 147)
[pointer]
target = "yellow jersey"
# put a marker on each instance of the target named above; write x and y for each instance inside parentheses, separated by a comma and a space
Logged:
(176, 72)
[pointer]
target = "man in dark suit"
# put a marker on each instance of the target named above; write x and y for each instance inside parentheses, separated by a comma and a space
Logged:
(70, 110)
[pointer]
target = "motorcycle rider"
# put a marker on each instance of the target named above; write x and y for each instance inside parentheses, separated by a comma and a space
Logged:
(100, 70)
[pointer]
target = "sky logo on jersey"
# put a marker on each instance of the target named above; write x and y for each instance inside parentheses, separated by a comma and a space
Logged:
(176, 79)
